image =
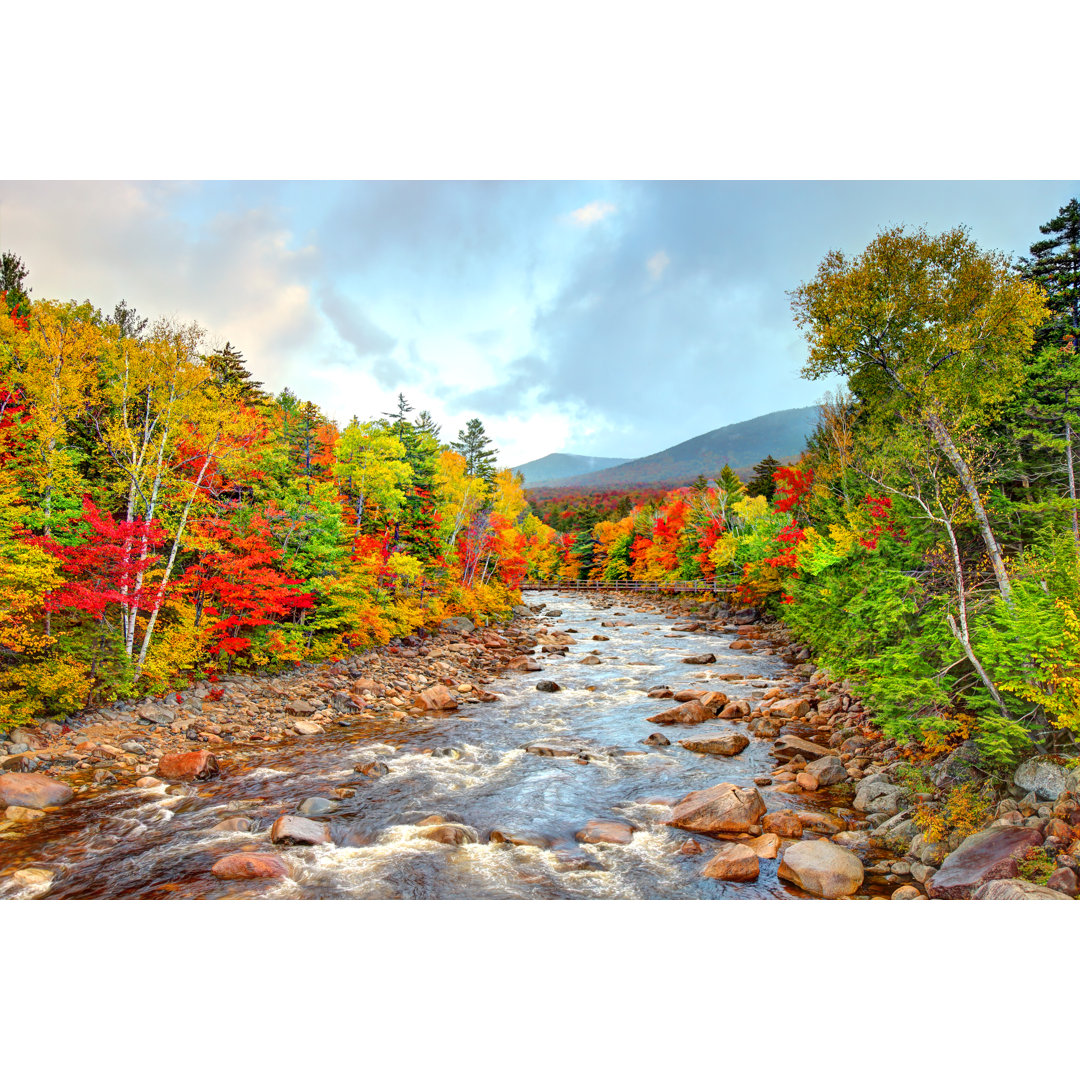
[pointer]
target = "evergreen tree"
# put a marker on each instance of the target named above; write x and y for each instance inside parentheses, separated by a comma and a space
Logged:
(127, 320)
(12, 276)
(475, 447)
(700, 483)
(730, 484)
(1054, 265)
(584, 546)
(763, 482)
(229, 367)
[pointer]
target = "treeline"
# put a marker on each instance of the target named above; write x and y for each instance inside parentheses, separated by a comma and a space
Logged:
(927, 544)
(162, 517)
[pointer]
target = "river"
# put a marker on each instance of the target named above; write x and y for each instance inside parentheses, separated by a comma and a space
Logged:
(471, 767)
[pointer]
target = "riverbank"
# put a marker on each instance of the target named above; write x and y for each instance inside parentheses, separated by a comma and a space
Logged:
(827, 815)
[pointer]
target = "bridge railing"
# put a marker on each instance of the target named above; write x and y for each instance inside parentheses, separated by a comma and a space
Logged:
(631, 586)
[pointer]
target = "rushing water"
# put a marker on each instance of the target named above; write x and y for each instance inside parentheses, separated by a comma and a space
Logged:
(152, 844)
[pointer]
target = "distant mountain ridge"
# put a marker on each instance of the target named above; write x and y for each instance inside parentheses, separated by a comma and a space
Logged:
(556, 466)
(782, 434)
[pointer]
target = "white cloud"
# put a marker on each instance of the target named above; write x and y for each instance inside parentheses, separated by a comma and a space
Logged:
(591, 213)
(657, 264)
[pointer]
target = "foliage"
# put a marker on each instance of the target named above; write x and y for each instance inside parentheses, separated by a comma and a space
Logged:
(1036, 866)
(964, 813)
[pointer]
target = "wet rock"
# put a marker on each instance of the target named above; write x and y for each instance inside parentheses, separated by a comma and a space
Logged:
(656, 739)
(691, 847)
(732, 862)
(1043, 776)
(315, 806)
(451, 834)
(827, 771)
(806, 781)
(727, 744)
(22, 814)
(437, 698)
(307, 727)
(372, 768)
(247, 866)
(692, 712)
(33, 877)
(766, 846)
(907, 892)
(714, 701)
(524, 663)
(824, 824)
(300, 708)
(233, 824)
(989, 855)
(689, 695)
(1013, 889)
(702, 658)
(546, 686)
(592, 660)
(724, 808)
(507, 836)
(822, 868)
(605, 832)
(784, 823)
(289, 829)
(789, 708)
(789, 746)
(194, 765)
(570, 858)
(148, 782)
(33, 791)
(660, 692)
(552, 750)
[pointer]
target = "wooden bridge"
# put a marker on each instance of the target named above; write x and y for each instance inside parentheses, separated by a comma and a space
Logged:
(621, 586)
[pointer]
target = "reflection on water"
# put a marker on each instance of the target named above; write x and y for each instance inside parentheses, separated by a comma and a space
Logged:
(146, 843)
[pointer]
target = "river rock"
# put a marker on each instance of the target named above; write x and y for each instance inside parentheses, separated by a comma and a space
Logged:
(459, 625)
(33, 790)
(701, 658)
(789, 708)
(1012, 889)
(656, 739)
(692, 712)
(508, 836)
(907, 892)
(289, 829)
(524, 663)
(784, 823)
(732, 862)
(605, 832)
(727, 744)
(590, 660)
(233, 824)
(874, 795)
(372, 768)
(449, 833)
(300, 708)
(724, 808)
(23, 814)
(194, 765)
(307, 727)
(314, 806)
(546, 686)
(989, 855)
(766, 846)
(1043, 776)
(1064, 880)
(244, 866)
(435, 698)
(789, 746)
(822, 868)
(714, 701)
(827, 771)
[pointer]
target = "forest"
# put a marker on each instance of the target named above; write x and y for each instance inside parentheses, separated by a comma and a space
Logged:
(926, 545)
(163, 519)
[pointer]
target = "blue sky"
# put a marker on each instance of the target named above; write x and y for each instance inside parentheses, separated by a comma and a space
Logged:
(609, 318)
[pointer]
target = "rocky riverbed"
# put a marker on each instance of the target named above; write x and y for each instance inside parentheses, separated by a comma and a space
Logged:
(597, 746)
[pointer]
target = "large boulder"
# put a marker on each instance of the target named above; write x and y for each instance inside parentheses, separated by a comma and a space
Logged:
(789, 746)
(726, 744)
(1044, 776)
(1013, 889)
(34, 791)
(822, 868)
(194, 765)
(718, 810)
(789, 708)
(827, 771)
(989, 855)
(732, 862)
(459, 625)
(875, 795)
(290, 829)
(693, 712)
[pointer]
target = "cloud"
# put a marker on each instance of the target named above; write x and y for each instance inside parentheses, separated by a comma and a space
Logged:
(353, 326)
(591, 213)
(657, 264)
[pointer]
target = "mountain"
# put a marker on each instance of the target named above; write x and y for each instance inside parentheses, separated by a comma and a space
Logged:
(556, 466)
(782, 434)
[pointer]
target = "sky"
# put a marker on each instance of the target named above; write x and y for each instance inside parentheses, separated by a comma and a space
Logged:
(600, 318)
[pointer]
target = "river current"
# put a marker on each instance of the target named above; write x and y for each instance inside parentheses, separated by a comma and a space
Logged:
(472, 767)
